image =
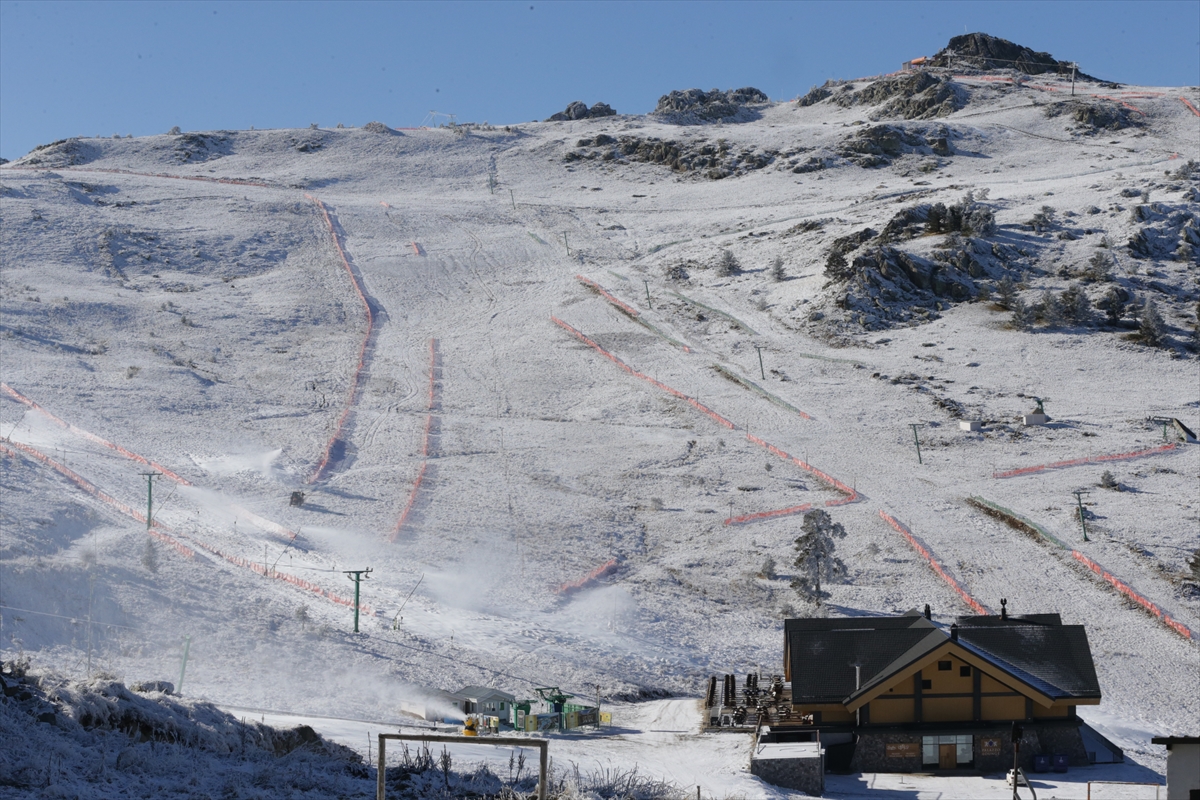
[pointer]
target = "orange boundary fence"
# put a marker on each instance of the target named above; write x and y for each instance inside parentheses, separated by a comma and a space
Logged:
(1184, 100)
(975, 605)
(1128, 591)
(621, 304)
(1012, 473)
(160, 531)
(261, 522)
(606, 568)
(355, 382)
(429, 420)
(851, 494)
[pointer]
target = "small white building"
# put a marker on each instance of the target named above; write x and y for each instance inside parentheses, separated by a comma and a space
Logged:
(1183, 766)
(486, 700)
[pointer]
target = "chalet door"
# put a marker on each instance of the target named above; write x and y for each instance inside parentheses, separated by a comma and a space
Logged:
(947, 756)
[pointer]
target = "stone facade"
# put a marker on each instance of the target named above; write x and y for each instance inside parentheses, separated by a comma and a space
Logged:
(870, 752)
(804, 774)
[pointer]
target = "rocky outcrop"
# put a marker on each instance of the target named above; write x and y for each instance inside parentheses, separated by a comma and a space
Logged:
(698, 107)
(63, 153)
(877, 145)
(918, 95)
(1092, 117)
(983, 52)
(713, 160)
(578, 110)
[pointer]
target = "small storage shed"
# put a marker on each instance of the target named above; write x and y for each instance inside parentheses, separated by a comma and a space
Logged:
(485, 700)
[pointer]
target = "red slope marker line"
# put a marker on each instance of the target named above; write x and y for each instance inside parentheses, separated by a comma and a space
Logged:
(261, 522)
(429, 420)
(1190, 106)
(621, 304)
(1129, 592)
(975, 605)
(417, 249)
(599, 572)
(91, 437)
(851, 494)
(355, 382)
(159, 531)
(112, 171)
(91, 489)
(779, 512)
(1012, 473)
(676, 393)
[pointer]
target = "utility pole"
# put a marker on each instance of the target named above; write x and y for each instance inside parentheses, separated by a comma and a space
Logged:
(1079, 493)
(187, 645)
(150, 476)
(512, 197)
(916, 439)
(648, 303)
(358, 576)
(1074, 66)
(761, 371)
(565, 243)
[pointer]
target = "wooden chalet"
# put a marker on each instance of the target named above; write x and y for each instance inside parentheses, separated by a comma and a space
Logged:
(902, 693)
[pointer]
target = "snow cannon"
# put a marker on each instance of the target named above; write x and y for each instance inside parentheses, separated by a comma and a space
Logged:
(469, 728)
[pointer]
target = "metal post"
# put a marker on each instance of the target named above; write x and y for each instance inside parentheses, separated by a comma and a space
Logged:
(761, 371)
(512, 197)
(1074, 66)
(150, 476)
(918, 441)
(565, 243)
(648, 303)
(1079, 493)
(357, 575)
(187, 645)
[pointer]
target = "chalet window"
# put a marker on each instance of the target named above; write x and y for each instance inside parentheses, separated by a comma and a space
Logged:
(964, 672)
(926, 684)
(944, 666)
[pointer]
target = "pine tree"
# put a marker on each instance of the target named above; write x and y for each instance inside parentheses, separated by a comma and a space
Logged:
(1023, 315)
(1150, 326)
(1006, 292)
(727, 264)
(1113, 305)
(777, 269)
(815, 561)
(1075, 306)
(1050, 309)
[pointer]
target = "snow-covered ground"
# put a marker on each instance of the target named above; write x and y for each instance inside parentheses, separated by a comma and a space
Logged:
(213, 329)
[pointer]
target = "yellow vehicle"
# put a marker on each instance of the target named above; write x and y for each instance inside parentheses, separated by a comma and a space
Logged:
(469, 727)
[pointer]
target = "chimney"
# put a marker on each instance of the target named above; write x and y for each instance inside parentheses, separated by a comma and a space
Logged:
(928, 612)
(954, 633)
(1003, 608)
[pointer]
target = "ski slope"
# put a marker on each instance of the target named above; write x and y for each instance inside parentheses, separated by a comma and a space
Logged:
(356, 315)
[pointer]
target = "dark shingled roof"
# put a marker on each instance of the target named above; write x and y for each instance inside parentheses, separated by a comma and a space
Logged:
(1037, 649)
(1053, 658)
(992, 620)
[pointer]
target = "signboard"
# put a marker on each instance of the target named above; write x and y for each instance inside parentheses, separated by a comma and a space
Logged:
(989, 746)
(903, 750)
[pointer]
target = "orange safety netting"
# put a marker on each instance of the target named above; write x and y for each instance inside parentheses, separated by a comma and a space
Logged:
(621, 304)
(975, 605)
(606, 568)
(355, 382)
(429, 420)
(161, 532)
(851, 494)
(1129, 592)
(1087, 460)
(261, 522)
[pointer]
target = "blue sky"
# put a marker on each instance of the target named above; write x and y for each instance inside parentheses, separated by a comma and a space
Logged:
(104, 68)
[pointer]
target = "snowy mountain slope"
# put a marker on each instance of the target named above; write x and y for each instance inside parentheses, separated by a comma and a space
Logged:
(212, 328)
